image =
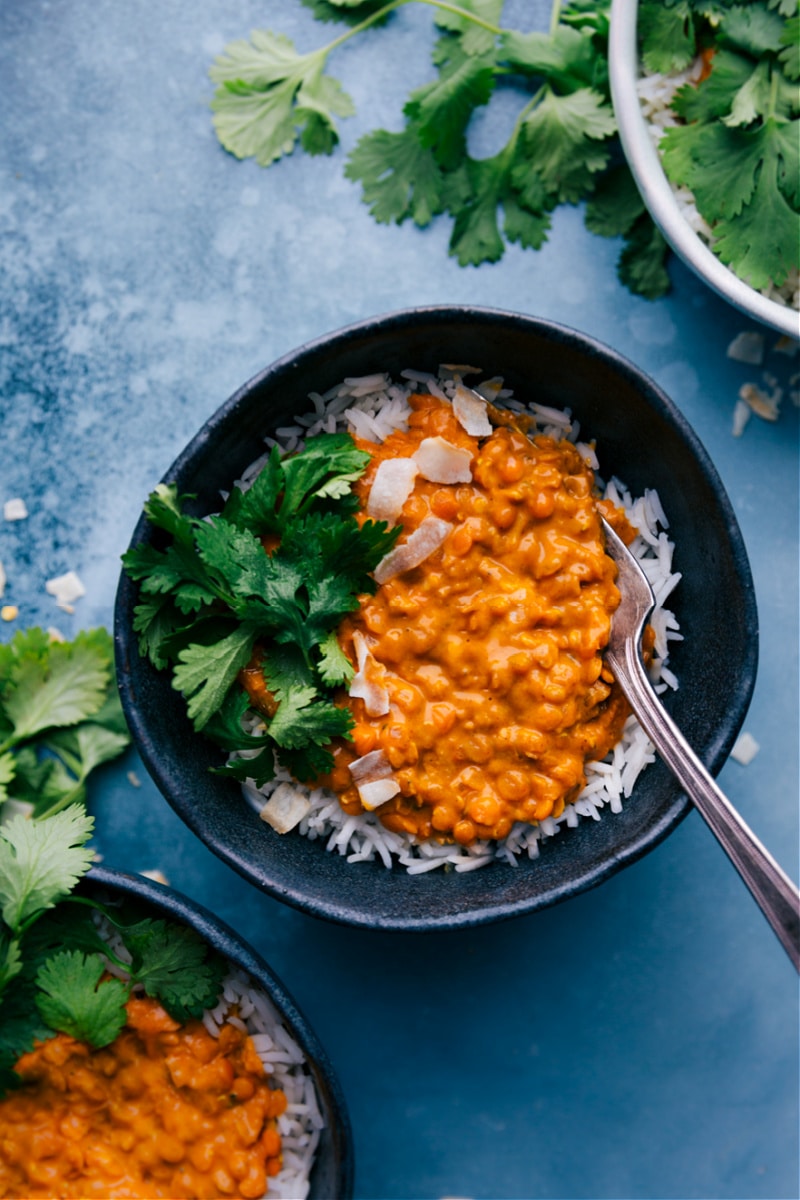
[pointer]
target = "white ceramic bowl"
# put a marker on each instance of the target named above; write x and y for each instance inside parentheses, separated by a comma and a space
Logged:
(656, 190)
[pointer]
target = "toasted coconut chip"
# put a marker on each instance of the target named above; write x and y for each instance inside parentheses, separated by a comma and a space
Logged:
(425, 539)
(285, 808)
(764, 404)
(471, 411)
(440, 461)
(65, 588)
(377, 792)
(391, 487)
(367, 683)
(370, 767)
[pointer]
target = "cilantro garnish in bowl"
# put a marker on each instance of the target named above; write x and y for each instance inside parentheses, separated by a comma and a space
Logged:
(53, 960)
(269, 577)
(720, 91)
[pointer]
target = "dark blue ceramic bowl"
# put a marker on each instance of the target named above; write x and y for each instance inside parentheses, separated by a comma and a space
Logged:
(332, 1173)
(644, 440)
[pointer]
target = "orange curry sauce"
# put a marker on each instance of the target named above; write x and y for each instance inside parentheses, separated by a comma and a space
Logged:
(165, 1110)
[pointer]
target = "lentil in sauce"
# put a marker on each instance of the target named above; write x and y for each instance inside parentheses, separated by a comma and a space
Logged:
(166, 1110)
(490, 649)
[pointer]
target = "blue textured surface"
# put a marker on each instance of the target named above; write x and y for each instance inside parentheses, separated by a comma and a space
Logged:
(638, 1041)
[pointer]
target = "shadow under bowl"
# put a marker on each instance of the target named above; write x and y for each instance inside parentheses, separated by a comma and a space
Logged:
(332, 1172)
(643, 440)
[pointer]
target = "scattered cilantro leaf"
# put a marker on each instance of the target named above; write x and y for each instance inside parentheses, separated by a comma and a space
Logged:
(565, 140)
(267, 94)
(41, 861)
(62, 688)
(642, 265)
(60, 716)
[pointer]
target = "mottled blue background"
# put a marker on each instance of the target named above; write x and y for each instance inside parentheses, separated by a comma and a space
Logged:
(638, 1041)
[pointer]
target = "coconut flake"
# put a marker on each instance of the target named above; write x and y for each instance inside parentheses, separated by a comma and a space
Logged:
(391, 487)
(747, 347)
(745, 749)
(369, 767)
(367, 683)
(763, 404)
(65, 588)
(285, 808)
(15, 510)
(439, 461)
(377, 792)
(471, 410)
(425, 539)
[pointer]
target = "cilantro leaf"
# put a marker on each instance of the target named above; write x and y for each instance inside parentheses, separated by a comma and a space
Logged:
(667, 35)
(255, 508)
(473, 38)
(175, 966)
(303, 719)
(164, 509)
(762, 245)
(7, 772)
(565, 137)
(334, 666)
(330, 462)
(615, 205)
(41, 861)
(205, 672)
(20, 1026)
(642, 261)
(752, 29)
(61, 686)
(267, 92)
(72, 999)
(399, 177)
(10, 959)
(714, 96)
(441, 109)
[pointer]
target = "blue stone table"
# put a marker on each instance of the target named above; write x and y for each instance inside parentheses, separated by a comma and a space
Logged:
(637, 1041)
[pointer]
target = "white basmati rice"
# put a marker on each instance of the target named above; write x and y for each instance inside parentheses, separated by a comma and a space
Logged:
(373, 407)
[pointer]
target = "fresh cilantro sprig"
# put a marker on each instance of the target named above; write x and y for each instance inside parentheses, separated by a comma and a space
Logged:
(60, 716)
(269, 578)
(563, 148)
(737, 151)
(738, 146)
(53, 961)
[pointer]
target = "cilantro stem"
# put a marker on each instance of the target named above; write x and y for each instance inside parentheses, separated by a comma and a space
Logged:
(555, 17)
(324, 51)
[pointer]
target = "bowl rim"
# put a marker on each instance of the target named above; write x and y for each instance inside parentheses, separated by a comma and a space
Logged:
(176, 906)
(498, 909)
(656, 189)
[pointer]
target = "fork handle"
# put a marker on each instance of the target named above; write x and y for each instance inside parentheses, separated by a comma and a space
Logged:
(774, 892)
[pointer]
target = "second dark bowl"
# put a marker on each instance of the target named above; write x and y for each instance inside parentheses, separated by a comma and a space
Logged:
(644, 440)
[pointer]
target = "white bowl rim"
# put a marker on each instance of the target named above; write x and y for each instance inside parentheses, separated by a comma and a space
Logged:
(656, 190)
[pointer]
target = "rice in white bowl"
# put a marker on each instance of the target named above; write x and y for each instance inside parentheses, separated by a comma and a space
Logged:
(242, 1004)
(372, 407)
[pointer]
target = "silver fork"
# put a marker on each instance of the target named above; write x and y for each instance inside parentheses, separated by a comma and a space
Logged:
(774, 892)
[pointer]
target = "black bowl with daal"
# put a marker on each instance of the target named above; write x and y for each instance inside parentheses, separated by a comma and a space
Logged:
(332, 1170)
(642, 439)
